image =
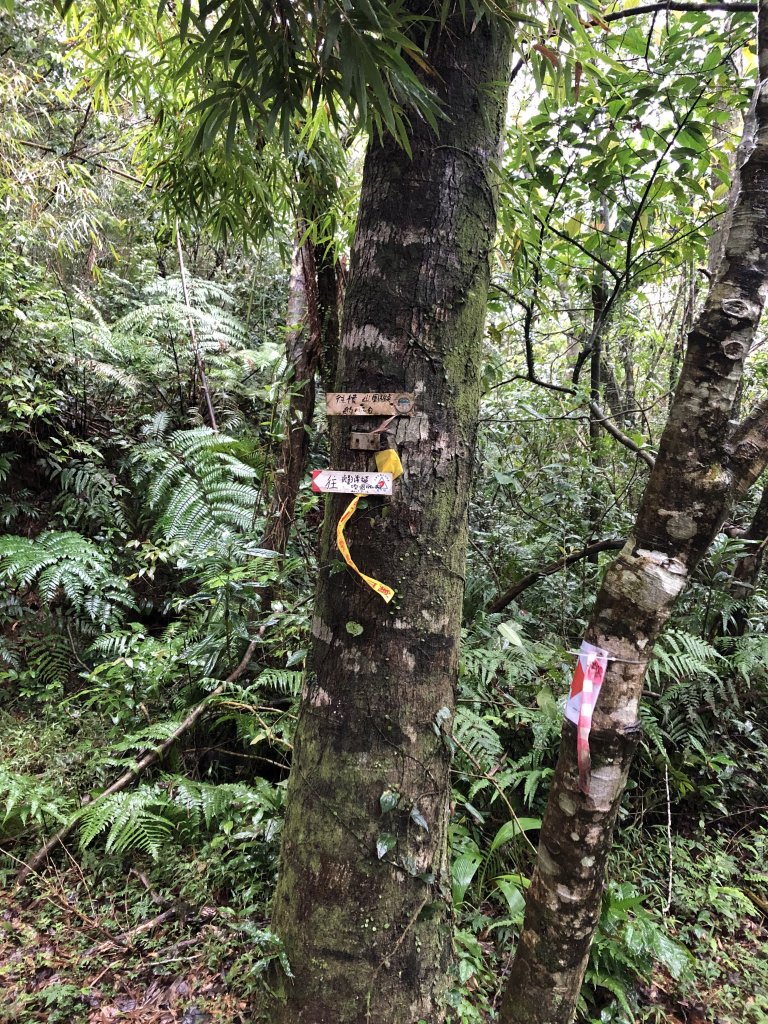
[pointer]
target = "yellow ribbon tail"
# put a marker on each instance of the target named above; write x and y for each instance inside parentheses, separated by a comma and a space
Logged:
(381, 588)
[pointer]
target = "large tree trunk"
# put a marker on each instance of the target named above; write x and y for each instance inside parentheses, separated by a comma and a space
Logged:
(362, 903)
(330, 303)
(702, 467)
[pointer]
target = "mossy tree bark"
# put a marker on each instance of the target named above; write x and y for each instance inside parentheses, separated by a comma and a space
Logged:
(363, 900)
(704, 464)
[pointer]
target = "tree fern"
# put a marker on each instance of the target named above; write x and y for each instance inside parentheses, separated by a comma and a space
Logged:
(138, 346)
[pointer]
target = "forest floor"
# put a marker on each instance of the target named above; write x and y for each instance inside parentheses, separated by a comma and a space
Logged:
(65, 959)
(68, 955)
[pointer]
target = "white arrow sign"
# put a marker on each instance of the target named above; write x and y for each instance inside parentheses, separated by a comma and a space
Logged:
(343, 481)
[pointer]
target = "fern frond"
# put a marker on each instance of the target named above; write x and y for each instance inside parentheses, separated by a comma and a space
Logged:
(199, 487)
(156, 815)
(477, 736)
(25, 799)
(281, 680)
(69, 566)
(679, 654)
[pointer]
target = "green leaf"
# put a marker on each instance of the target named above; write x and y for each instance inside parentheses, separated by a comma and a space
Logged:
(512, 828)
(354, 628)
(418, 818)
(510, 632)
(463, 870)
(389, 800)
(384, 843)
(513, 897)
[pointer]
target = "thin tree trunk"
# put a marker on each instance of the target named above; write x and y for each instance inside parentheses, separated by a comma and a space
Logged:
(596, 359)
(302, 350)
(617, 405)
(363, 899)
(199, 364)
(702, 467)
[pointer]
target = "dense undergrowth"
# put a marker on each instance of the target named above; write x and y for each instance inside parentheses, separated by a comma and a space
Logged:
(135, 575)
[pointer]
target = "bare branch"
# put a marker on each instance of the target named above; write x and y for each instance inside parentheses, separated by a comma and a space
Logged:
(679, 5)
(500, 603)
(83, 159)
(619, 435)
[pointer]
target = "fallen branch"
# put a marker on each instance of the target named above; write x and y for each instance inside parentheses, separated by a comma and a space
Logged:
(150, 757)
(500, 603)
(125, 939)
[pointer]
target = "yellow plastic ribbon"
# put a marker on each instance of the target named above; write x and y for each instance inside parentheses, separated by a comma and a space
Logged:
(381, 588)
(388, 461)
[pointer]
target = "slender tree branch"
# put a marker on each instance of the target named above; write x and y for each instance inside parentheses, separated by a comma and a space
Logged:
(500, 603)
(678, 5)
(528, 341)
(605, 422)
(78, 158)
(542, 384)
(619, 435)
(615, 274)
(629, 260)
(727, 6)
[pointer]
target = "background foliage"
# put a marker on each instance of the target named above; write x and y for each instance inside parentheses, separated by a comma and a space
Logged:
(132, 553)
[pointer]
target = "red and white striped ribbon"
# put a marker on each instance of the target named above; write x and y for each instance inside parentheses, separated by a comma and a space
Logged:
(592, 679)
(585, 688)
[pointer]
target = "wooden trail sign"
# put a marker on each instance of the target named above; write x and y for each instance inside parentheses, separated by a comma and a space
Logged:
(368, 403)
